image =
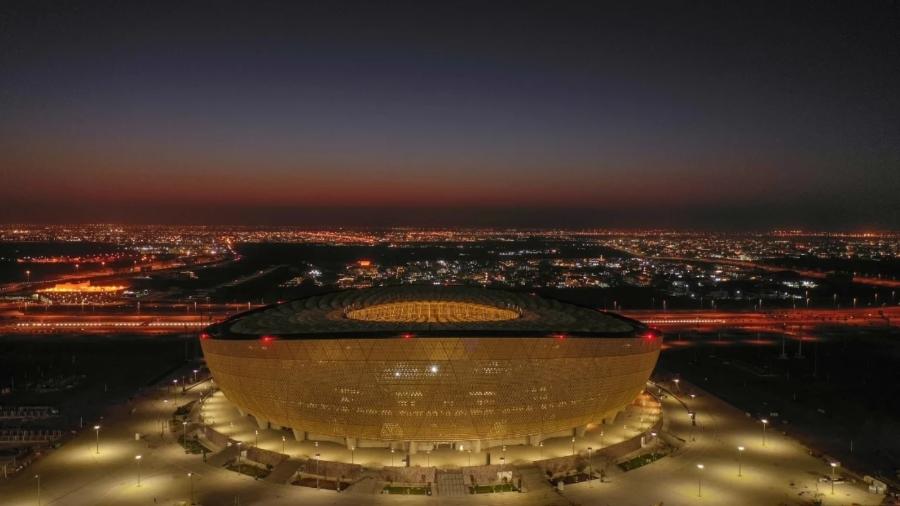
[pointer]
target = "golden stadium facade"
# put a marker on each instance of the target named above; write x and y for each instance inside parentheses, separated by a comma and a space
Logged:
(421, 364)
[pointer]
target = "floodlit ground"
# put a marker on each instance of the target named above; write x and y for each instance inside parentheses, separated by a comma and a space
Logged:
(781, 472)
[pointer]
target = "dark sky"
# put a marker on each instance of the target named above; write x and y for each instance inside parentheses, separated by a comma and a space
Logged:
(732, 115)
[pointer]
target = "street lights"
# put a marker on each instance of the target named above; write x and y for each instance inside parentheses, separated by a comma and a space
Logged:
(677, 386)
(283, 439)
(137, 458)
(573, 445)
(833, 466)
(191, 480)
(97, 433)
(38, 478)
(392, 457)
(352, 451)
(256, 433)
(764, 423)
(184, 425)
(699, 480)
(541, 445)
(740, 451)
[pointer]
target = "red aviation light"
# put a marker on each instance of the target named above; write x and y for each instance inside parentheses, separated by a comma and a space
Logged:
(407, 336)
(204, 336)
(559, 336)
(268, 339)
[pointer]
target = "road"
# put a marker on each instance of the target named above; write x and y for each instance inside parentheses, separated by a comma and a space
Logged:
(190, 316)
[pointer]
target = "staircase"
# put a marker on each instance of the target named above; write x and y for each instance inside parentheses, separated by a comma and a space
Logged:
(450, 483)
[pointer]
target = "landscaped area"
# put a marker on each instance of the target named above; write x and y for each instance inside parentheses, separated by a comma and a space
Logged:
(320, 483)
(641, 460)
(248, 469)
(490, 489)
(193, 446)
(406, 490)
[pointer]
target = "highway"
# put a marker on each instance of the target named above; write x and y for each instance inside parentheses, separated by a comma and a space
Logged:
(155, 318)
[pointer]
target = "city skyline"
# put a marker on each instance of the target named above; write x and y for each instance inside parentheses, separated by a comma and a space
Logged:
(721, 117)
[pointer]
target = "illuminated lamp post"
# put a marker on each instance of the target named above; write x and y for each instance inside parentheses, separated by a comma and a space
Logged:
(38, 478)
(317, 469)
(833, 467)
(191, 480)
(590, 467)
(256, 435)
(392, 457)
(97, 434)
(184, 425)
(677, 386)
(28, 276)
(283, 439)
(573, 445)
(765, 422)
(699, 480)
(137, 458)
(740, 452)
(352, 451)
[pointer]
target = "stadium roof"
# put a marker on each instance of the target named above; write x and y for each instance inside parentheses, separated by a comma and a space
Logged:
(458, 311)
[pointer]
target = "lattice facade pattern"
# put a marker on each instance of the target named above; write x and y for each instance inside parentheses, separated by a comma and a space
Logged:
(432, 388)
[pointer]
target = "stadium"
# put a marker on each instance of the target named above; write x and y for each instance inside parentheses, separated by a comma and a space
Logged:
(421, 365)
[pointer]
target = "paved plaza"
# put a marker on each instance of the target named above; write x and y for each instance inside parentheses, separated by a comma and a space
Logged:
(781, 472)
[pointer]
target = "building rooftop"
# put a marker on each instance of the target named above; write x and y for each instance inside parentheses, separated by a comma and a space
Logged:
(423, 310)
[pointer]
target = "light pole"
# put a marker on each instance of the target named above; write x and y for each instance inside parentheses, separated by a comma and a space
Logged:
(427, 459)
(833, 466)
(392, 457)
(38, 478)
(699, 480)
(137, 458)
(317, 469)
(195, 371)
(740, 451)
(677, 386)
(282, 444)
(352, 451)
(97, 433)
(184, 425)
(541, 445)
(256, 434)
(191, 480)
(765, 422)
(590, 467)
(573, 445)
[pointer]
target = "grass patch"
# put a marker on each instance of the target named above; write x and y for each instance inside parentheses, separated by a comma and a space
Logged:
(406, 490)
(641, 460)
(490, 489)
